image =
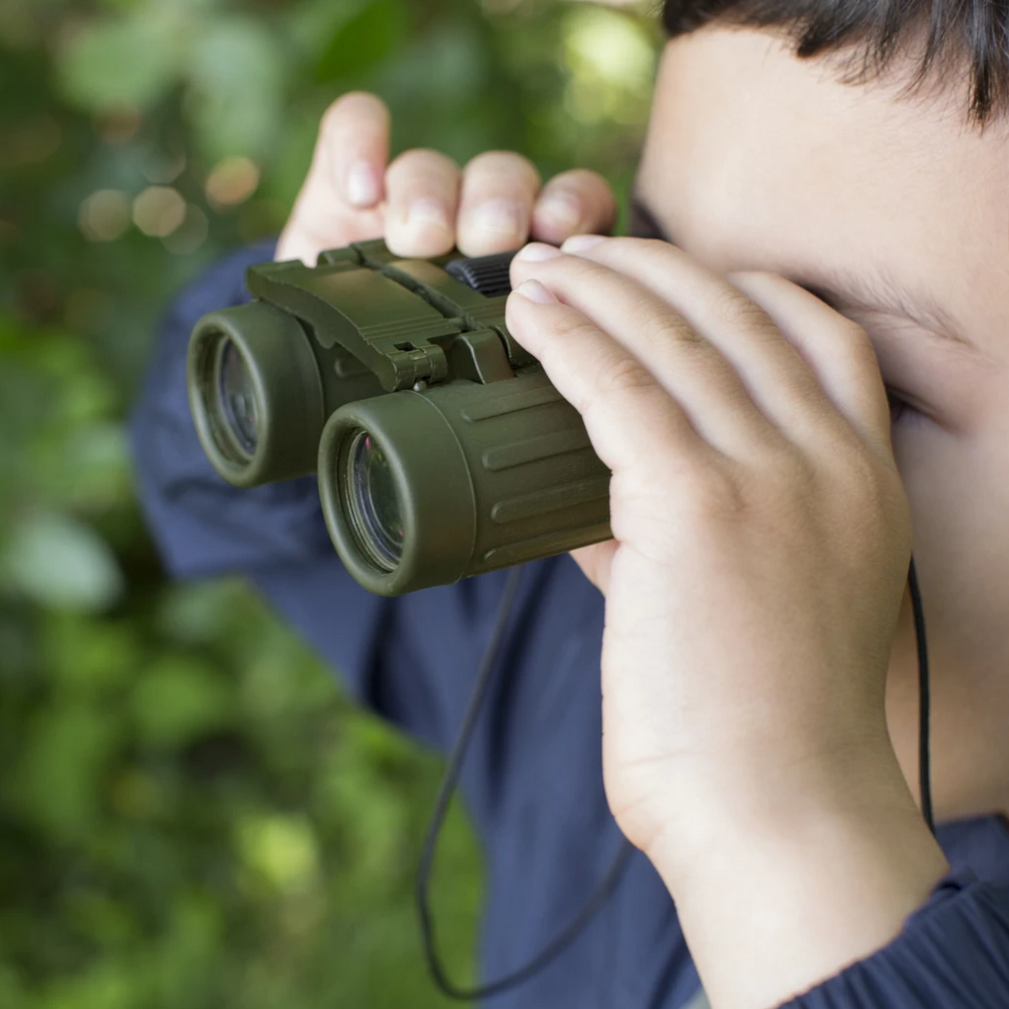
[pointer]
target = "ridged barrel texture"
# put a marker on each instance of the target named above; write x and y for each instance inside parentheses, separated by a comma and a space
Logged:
(540, 489)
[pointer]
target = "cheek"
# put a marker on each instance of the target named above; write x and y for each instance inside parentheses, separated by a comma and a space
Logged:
(958, 488)
(959, 493)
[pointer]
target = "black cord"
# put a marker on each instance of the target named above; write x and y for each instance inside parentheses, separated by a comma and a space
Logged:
(595, 900)
(602, 892)
(924, 760)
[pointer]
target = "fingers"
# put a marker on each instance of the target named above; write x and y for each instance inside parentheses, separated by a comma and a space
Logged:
(756, 363)
(340, 199)
(496, 204)
(688, 366)
(837, 350)
(574, 203)
(810, 371)
(773, 372)
(629, 416)
(423, 188)
(354, 141)
(422, 203)
(498, 192)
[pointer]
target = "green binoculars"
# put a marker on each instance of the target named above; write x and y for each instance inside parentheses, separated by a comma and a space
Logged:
(442, 449)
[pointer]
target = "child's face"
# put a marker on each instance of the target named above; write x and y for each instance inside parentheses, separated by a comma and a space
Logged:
(897, 212)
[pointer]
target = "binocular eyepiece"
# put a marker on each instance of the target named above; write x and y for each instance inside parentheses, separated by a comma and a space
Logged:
(442, 449)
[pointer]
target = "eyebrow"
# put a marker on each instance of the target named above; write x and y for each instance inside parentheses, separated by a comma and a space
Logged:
(881, 292)
(844, 291)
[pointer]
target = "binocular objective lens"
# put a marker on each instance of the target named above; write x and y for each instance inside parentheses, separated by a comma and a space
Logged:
(376, 504)
(237, 397)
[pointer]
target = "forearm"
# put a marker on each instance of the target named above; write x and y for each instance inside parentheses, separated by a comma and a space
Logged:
(803, 879)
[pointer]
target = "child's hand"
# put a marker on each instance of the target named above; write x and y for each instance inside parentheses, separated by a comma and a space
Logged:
(761, 544)
(423, 204)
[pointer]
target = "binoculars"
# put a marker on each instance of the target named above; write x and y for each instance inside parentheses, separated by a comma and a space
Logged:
(442, 450)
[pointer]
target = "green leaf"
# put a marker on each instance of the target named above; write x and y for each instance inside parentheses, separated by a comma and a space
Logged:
(314, 23)
(364, 41)
(189, 952)
(448, 66)
(59, 776)
(237, 76)
(180, 699)
(281, 849)
(58, 561)
(88, 655)
(197, 613)
(109, 984)
(94, 467)
(12, 993)
(126, 61)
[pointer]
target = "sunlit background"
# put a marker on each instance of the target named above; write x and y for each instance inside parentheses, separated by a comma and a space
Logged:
(191, 815)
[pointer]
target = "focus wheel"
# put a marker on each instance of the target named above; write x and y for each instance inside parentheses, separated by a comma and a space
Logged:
(487, 274)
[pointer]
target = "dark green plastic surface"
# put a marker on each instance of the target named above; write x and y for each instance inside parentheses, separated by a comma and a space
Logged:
(492, 467)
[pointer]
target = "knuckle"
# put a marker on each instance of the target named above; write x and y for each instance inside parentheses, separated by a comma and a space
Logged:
(564, 337)
(573, 336)
(730, 306)
(857, 345)
(570, 333)
(627, 374)
(588, 184)
(795, 476)
(578, 176)
(422, 161)
(861, 472)
(710, 494)
(872, 503)
(504, 163)
(348, 108)
(668, 330)
(672, 338)
(781, 484)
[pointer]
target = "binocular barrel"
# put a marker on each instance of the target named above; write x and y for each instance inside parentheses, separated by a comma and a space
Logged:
(441, 447)
(424, 488)
(260, 392)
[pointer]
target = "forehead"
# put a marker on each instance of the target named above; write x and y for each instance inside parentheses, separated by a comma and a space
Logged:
(758, 160)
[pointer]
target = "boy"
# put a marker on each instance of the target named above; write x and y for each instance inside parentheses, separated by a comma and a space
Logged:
(834, 232)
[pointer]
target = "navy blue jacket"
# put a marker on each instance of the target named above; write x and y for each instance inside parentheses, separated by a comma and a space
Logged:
(533, 779)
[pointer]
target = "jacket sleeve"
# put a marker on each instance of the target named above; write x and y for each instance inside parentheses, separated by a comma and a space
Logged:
(275, 535)
(953, 953)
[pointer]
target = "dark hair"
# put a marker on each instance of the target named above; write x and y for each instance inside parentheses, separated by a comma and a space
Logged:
(952, 34)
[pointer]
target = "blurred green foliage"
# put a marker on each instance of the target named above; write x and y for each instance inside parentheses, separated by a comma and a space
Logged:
(191, 814)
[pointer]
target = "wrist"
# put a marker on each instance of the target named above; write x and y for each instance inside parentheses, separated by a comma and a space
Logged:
(776, 790)
(789, 885)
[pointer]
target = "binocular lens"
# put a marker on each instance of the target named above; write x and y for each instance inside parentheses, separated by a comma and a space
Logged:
(375, 505)
(236, 396)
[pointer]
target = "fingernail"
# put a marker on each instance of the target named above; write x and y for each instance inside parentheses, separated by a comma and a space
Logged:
(362, 185)
(582, 243)
(500, 216)
(428, 213)
(563, 209)
(533, 290)
(537, 252)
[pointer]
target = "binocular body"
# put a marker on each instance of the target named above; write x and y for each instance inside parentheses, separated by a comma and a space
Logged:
(441, 447)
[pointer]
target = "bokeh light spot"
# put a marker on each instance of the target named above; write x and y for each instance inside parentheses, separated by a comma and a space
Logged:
(612, 64)
(191, 234)
(232, 182)
(158, 211)
(105, 215)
